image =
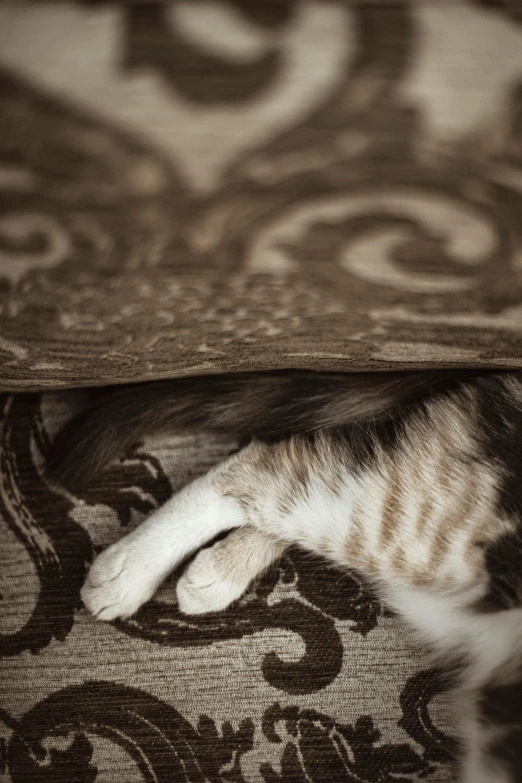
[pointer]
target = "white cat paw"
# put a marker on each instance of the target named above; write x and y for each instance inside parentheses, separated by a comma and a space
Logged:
(202, 589)
(117, 584)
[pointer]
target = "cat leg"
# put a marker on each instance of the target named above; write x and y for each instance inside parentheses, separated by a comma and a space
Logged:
(128, 573)
(220, 574)
(285, 490)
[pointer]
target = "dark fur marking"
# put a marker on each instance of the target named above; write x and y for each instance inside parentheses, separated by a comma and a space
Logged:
(501, 707)
(502, 440)
(268, 406)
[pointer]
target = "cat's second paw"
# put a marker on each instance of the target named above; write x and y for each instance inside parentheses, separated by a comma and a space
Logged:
(117, 583)
(203, 588)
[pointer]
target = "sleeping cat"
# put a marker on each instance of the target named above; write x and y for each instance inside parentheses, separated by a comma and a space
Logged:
(412, 479)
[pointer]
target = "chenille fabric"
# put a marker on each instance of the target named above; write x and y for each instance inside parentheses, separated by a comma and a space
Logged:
(194, 187)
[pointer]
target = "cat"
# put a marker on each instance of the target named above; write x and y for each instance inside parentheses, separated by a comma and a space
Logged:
(412, 479)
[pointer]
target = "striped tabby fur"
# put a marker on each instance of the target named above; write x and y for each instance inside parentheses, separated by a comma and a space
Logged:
(414, 480)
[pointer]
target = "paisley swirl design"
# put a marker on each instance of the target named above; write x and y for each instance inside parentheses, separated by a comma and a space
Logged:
(199, 187)
(39, 518)
(137, 483)
(322, 594)
(165, 746)
(347, 752)
(26, 229)
(400, 238)
(328, 202)
(416, 719)
(161, 743)
(328, 594)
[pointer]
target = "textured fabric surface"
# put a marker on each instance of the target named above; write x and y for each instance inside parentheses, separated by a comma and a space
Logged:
(197, 186)
(305, 679)
(188, 187)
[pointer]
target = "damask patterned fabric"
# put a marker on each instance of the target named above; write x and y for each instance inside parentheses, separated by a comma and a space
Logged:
(189, 187)
(305, 679)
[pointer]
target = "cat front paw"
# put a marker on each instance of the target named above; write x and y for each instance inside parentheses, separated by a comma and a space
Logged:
(202, 589)
(117, 583)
